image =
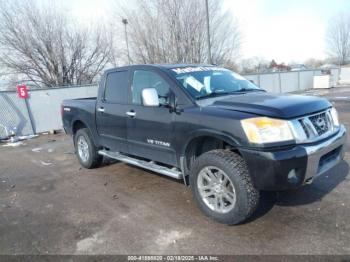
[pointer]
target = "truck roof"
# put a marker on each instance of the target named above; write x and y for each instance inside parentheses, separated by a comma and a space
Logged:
(160, 66)
(170, 66)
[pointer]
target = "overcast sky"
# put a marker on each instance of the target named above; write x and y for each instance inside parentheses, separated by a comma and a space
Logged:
(286, 30)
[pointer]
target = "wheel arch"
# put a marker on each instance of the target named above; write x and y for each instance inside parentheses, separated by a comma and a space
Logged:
(203, 141)
(78, 124)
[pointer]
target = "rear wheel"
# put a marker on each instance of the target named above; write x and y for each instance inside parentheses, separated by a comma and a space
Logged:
(222, 187)
(86, 150)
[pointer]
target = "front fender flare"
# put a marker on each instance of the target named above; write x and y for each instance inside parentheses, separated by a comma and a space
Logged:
(227, 138)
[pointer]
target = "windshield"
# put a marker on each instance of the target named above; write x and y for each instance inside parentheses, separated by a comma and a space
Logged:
(201, 82)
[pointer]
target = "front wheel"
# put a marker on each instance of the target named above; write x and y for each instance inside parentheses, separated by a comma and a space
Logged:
(222, 187)
(86, 150)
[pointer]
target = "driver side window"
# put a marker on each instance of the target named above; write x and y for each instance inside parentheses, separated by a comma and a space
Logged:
(147, 79)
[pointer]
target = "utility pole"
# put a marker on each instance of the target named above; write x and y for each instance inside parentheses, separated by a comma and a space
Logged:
(125, 22)
(208, 32)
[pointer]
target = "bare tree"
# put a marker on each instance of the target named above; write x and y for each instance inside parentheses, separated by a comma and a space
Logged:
(44, 46)
(169, 31)
(338, 37)
(313, 63)
(254, 64)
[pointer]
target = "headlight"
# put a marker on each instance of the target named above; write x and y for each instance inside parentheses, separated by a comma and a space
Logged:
(262, 130)
(335, 118)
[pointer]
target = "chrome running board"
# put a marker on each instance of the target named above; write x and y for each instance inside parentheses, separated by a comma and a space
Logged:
(149, 165)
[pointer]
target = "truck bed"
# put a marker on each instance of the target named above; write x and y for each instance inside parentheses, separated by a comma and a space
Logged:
(80, 108)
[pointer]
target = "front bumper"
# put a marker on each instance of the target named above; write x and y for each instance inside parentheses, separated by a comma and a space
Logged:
(292, 168)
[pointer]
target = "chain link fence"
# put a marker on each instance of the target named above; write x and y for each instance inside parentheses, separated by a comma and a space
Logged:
(14, 115)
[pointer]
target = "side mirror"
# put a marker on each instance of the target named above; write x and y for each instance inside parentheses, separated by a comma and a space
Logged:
(150, 97)
(172, 101)
(173, 104)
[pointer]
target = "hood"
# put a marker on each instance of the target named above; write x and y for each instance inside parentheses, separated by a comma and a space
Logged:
(272, 105)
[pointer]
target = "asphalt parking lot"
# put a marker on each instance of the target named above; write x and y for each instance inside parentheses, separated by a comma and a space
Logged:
(50, 205)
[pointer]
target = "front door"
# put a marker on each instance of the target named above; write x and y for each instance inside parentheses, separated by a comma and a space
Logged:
(150, 129)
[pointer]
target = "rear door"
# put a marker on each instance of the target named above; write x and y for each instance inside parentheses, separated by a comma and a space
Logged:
(110, 111)
(150, 129)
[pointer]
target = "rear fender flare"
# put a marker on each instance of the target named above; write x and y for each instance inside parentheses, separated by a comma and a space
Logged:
(93, 134)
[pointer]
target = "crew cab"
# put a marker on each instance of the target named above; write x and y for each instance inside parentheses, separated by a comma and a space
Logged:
(222, 135)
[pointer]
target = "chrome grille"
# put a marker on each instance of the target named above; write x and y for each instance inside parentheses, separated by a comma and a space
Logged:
(321, 123)
(313, 127)
(307, 133)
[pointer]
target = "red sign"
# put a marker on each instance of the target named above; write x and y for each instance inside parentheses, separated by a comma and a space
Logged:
(22, 91)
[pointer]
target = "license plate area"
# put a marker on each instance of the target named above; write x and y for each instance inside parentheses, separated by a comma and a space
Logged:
(328, 160)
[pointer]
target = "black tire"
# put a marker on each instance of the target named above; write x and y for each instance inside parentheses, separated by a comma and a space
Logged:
(234, 166)
(93, 159)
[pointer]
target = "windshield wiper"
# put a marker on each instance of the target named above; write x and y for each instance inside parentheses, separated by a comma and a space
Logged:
(213, 94)
(243, 90)
(240, 91)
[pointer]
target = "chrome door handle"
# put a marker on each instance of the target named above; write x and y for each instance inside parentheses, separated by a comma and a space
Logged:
(131, 113)
(100, 109)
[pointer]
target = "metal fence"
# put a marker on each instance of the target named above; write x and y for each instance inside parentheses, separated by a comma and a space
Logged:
(345, 76)
(41, 113)
(285, 82)
(13, 115)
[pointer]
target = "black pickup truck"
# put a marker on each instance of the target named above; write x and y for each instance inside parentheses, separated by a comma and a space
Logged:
(224, 136)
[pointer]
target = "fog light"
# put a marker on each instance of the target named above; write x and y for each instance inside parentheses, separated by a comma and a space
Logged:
(292, 177)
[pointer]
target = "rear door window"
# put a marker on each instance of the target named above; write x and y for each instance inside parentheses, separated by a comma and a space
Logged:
(116, 90)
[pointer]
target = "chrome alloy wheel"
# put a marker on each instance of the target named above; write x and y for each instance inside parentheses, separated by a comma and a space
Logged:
(83, 149)
(216, 189)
